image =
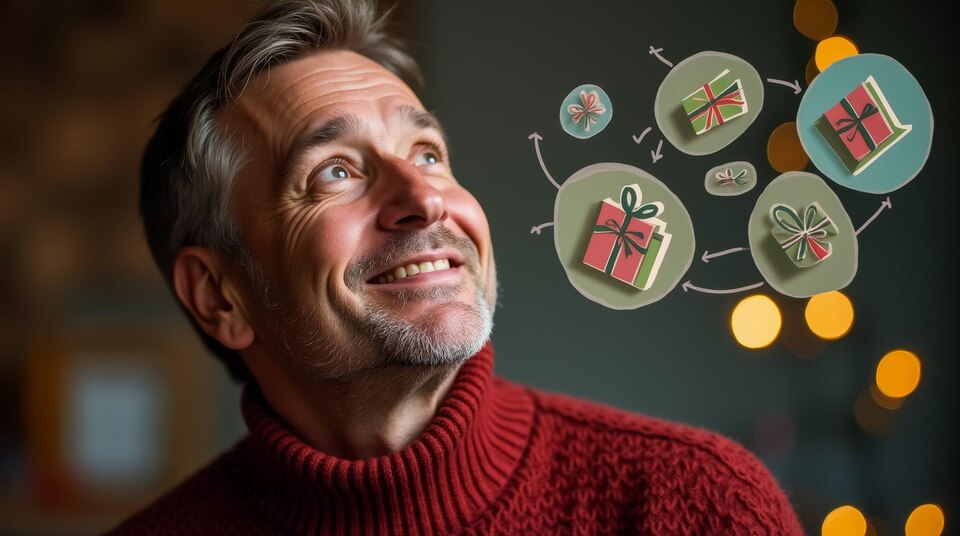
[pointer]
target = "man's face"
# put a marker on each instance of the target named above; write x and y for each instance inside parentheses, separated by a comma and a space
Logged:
(364, 250)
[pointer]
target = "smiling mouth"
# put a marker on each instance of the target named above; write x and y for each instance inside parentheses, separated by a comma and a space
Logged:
(412, 269)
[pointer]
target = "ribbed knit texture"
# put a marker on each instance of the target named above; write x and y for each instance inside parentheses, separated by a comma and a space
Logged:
(498, 458)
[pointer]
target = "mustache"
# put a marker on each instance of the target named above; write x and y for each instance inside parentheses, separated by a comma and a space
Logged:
(404, 244)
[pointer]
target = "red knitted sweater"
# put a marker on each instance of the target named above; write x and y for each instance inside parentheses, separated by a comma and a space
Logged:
(497, 458)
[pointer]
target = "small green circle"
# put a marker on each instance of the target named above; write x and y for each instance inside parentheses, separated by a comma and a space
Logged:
(732, 178)
(798, 189)
(575, 214)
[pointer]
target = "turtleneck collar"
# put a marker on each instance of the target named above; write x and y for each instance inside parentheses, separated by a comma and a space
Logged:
(436, 485)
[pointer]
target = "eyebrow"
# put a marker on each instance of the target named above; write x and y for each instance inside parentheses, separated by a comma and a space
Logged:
(347, 125)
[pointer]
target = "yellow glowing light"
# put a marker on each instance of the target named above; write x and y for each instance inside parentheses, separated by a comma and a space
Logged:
(844, 521)
(898, 373)
(755, 321)
(925, 520)
(815, 19)
(784, 150)
(829, 315)
(834, 49)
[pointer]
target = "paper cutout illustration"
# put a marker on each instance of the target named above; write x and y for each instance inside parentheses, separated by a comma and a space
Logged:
(726, 177)
(716, 103)
(803, 236)
(905, 160)
(628, 241)
(862, 126)
(586, 111)
(692, 73)
(732, 178)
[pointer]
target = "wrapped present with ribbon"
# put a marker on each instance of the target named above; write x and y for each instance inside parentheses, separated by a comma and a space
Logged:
(628, 241)
(726, 177)
(804, 235)
(715, 103)
(862, 126)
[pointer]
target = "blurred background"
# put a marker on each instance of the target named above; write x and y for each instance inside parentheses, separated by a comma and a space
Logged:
(109, 399)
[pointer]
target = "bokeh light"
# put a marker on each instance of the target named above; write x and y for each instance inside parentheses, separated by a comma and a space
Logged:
(756, 321)
(883, 400)
(784, 149)
(898, 373)
(925, 520)
(815, 19)
(829, 315)
(844, 521)
(833, 49)
(811, 71)
(775, 435)
(873, 418)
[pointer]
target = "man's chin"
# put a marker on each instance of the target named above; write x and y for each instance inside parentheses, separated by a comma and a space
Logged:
(431, 334)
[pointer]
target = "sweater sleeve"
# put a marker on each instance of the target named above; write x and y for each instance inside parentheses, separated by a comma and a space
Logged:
(714, 487)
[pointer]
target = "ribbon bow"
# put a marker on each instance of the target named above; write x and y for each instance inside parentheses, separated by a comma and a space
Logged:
(809, 232)
(625, 240)
(711, 107)
(854, 123)
(726, 177)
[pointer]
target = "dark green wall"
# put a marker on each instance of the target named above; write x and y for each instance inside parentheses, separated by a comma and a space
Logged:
(497, 71)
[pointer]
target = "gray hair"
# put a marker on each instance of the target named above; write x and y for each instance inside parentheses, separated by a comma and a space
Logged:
(188, 167)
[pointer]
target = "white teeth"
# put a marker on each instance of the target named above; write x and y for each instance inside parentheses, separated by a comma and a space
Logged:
(401, 272)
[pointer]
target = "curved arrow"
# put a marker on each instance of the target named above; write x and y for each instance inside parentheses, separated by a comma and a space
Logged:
(536, 145)
(536, 228)
(687, 286)
(795, 86)
(707, 255)
(885, 204)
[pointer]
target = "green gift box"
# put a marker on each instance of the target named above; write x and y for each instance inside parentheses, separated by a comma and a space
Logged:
(715, 103)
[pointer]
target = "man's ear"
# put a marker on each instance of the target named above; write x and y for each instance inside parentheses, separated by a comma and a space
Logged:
(201, 283)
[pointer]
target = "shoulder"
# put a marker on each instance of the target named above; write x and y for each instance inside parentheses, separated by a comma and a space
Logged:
(683, 475)
(208, 502)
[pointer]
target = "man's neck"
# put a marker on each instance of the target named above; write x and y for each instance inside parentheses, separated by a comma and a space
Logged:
(375, 414)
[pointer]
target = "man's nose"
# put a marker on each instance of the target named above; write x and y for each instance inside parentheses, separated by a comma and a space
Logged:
(410, 202)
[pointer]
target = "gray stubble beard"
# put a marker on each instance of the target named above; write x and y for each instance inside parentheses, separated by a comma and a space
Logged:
(374, 339)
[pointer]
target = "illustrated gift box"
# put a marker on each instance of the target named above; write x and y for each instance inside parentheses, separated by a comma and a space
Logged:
(862, 126)
(715, 103)
(803, 236)
(628, 241)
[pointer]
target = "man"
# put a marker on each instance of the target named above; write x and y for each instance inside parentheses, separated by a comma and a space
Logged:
(300, 201)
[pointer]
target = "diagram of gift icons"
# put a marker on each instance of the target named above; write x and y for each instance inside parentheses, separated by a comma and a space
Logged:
(862, 126)
(628, 240)
(804, 236)
(715, 103)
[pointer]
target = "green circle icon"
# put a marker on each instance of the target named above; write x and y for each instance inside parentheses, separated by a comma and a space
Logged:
(576, 221)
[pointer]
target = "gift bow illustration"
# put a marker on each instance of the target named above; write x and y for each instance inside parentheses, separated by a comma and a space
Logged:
(808, 231)
(726, 177)
(854, 123)
(588, 111)
(628, 203)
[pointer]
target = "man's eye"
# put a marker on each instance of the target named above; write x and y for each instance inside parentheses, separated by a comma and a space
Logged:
(426, 158)
(333, 172)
